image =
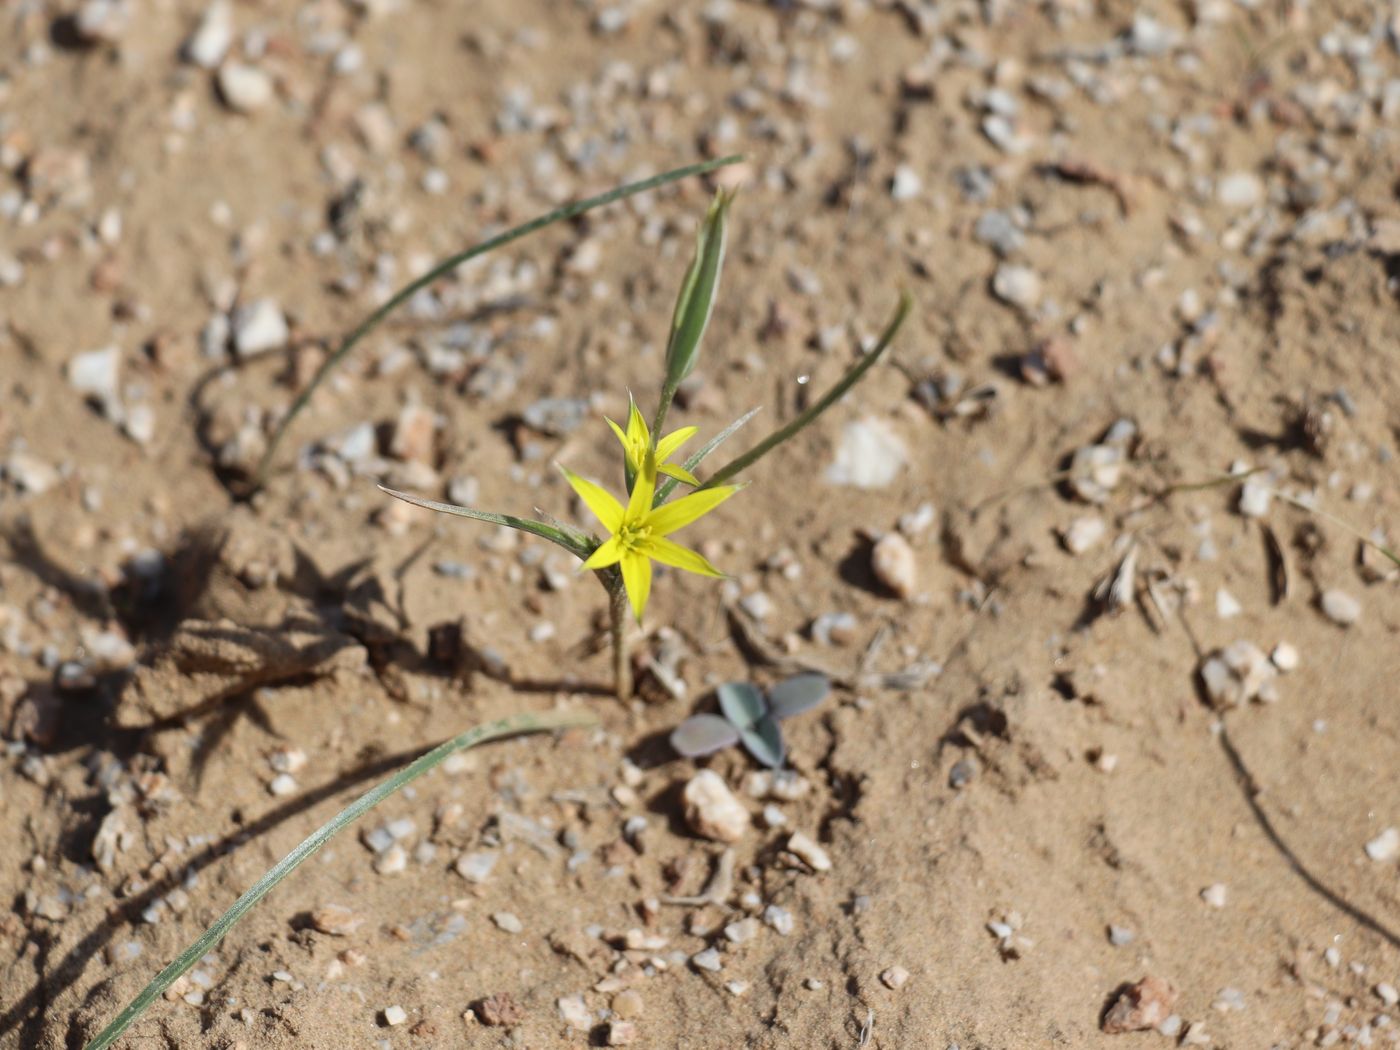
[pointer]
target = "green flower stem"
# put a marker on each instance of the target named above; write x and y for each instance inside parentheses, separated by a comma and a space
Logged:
(509, 726)
(451, 263)
(850, 379)
(618, 612)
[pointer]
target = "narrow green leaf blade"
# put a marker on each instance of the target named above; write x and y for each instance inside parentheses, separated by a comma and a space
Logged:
(850, 379)
(576, 543)
(695, 302)
(669, 486)
(515, 724)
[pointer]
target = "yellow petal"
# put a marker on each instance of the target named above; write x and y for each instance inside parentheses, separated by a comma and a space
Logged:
(637, 426)
(679, 513)
(608, 553)
(679, 473)
(620, 435)
(668, 552)
(636, 577)
(643, 489)
(601, 502)
(666, 447)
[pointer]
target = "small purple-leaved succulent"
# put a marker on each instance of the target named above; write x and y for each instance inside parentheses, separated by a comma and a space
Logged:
(751, 718)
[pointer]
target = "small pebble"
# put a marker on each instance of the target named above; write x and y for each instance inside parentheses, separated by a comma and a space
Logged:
(1227, 606)
(392, 861)
(893, 562)
(1215, 895)
(895, 978)
(1016, 285)
(244, 88)
(742, 930)
(628, 1004)
(780, 919)
(1341, 608)
(395, 1015)
(869, 455)
(712, 811)
(1385, 846)
(906, 184)
(211, 40)
(1243, 189)
(1284, 657)
(1255, 496)
(708, 960)
(1084, 534)
(807, 850)
(259, 326)
(507, 921)
(336, 920)
(622, 1033)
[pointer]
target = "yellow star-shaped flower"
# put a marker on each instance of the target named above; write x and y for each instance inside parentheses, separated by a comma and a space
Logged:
(636, 442)
(639, 531)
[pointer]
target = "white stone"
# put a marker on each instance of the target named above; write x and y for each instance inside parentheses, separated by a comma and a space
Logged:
(139, 424)
(711, 810)
(282, 785)
(1095, 471)
(708, 960)
(906, 184)
(1084, 534)
(244, 88)
(211, 40)
(1255, 497)
(573, 1011)
(476, 867)
(259, 326)
(102, 21)
(1242, 189)
(392, 861)
(1385, 846)
(30, 473)
(869, 455)
(97, 374)
(1215, 895)
(1284, 657)
(895, 978)
(395, 1015)
(806, 849)
(508, 921)
(1341, 608)
(893, 562)
(1017, 285)
(1227, 606)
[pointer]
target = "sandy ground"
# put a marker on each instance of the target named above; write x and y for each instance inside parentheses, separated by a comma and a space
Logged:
(1168, 231)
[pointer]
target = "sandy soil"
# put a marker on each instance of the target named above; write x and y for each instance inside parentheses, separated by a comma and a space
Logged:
(1183, 217)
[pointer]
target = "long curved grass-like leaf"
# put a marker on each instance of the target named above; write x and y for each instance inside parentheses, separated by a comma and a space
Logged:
(573, 541)
(850, 379)
(510, 726)
(698, 457)
(451, 263)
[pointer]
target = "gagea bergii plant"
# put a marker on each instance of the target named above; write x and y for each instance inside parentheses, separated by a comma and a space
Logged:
(639, 526)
